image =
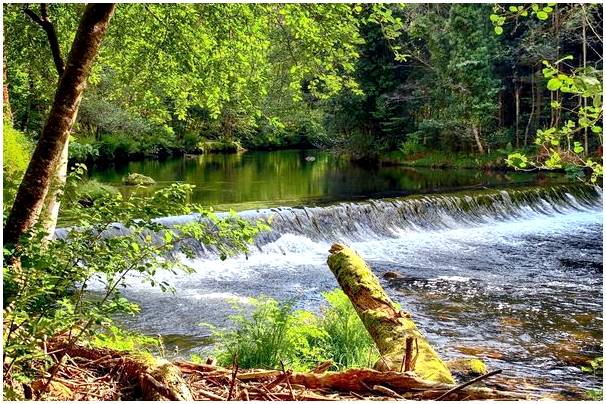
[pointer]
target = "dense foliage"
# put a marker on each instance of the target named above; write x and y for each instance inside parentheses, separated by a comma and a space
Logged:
(365, 79)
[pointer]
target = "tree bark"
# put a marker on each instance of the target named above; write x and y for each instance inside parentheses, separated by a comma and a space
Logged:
(584, 103)
(50, 214)
(38, 176)
(532, 108)
(388, 326)
(518, 89)
(476, 136)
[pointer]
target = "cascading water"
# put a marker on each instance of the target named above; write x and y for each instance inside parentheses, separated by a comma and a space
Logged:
(513, 276)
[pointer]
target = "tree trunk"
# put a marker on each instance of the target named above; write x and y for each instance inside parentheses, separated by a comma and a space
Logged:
(388, 326)
(532, 108)
(38, 176)
(539, 93)
(518, 89)
(584, 103)
(50, 214)
(476, 136)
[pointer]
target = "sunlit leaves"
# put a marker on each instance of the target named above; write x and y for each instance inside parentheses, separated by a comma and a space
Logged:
(517, 160)
(554, 84)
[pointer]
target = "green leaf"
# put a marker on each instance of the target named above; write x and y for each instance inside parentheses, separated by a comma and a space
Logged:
(596, 129)
(578, 148)
(524, 13)
(513, 9)
(535, 7)
(547, 9)
(554, 84)
(498, 30)
(494, 17)
(542, 15)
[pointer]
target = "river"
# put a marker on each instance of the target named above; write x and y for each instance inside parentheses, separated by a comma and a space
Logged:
(507, 267)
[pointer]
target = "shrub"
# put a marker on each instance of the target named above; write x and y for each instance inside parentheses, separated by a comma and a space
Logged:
(91, 190)
(83, 152)
(117, 146)
(412, 144)
(268, 332)
(214, 146)
(189, 142)
(16, 151)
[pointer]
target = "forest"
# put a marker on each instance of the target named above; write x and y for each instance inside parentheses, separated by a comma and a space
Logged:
(356, 123)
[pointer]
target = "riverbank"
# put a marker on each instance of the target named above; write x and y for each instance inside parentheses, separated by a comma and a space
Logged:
(95, 374)
(490, 161)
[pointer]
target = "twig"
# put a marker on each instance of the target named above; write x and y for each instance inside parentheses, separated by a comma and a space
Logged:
(210, 395)
(414, 360)
(356, 395)
(385, 390)
(322, 367)
(292, 394)
(462, 386)
(233, 378)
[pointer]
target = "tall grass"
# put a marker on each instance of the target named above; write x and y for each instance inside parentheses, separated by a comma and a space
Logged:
(268, 332)
(348, 342)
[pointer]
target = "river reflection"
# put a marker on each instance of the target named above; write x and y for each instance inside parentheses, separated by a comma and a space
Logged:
(300, 177)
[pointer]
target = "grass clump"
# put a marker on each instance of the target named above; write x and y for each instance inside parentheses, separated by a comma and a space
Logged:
(91, 190)
(270, 332)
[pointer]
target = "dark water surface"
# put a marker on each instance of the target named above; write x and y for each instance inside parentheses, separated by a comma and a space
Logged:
(512, 274)
(254, 180)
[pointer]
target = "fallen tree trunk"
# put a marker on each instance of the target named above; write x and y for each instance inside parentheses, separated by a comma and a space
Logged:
(158, 379)
(366, 381)
(388, 326)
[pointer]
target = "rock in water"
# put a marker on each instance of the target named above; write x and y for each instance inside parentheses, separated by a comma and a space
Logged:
(391, 275)
(137, 179)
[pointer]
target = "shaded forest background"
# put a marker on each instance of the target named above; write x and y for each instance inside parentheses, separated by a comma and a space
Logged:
(445, 81)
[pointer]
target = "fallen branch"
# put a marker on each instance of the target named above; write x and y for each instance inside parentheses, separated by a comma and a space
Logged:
(469, 383)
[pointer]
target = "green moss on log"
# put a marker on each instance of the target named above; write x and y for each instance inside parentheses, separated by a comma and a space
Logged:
(386, 323)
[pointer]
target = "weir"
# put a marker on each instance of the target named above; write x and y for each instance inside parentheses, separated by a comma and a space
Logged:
(390, 218)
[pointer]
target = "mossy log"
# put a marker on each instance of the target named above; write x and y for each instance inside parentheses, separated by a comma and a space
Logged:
(388, 326)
